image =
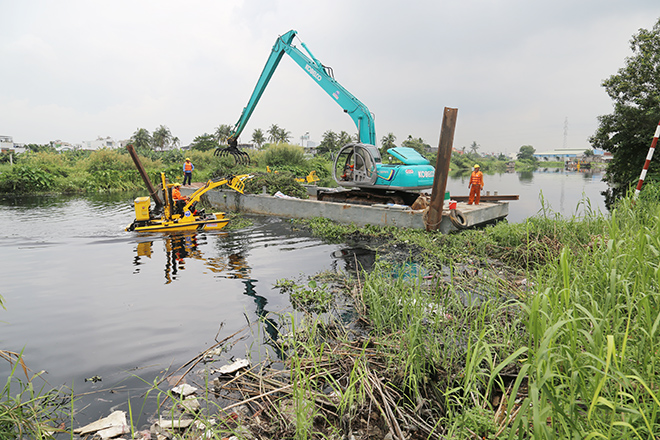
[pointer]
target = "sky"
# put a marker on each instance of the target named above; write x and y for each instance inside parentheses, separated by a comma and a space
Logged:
(519, 72)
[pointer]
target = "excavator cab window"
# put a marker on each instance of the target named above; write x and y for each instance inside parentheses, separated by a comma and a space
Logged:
(345, 166)
(355, 164)
(365, 164)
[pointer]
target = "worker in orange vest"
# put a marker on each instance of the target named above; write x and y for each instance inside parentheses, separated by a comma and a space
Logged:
(188, 168)
(179, 200)
(476, 185)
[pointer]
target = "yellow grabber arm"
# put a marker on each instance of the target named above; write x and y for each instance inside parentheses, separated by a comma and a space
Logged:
(236, 183)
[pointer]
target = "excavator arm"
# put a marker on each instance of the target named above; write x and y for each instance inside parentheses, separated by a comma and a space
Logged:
(321, 74)
(236, 183)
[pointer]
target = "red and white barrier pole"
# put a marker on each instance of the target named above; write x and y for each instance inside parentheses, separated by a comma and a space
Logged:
(648, 161)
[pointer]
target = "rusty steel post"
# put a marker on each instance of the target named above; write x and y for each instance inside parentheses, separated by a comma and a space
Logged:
(434, 217)
(136, 160)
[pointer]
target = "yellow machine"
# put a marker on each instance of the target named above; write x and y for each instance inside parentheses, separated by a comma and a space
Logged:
(183, 218)
(310, 178)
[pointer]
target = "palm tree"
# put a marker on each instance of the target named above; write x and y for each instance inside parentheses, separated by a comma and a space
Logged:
(258, 137)
(344, 138)
(273, 133)
(176, 142)
(222, 132)
(141, 138)
(283, 136)
(387, 142)
(474, 147)
(162, 137)
(328, 143)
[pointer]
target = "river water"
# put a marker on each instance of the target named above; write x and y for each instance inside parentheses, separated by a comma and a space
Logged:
(550, 190)
(83, 298)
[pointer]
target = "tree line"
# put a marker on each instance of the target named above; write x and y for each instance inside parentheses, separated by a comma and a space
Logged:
(626, 133)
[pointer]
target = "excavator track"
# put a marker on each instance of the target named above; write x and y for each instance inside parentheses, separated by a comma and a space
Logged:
(361, 197)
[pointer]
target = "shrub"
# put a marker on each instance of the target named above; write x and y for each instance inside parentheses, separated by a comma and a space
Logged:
(283, 182)
(103, 160)
(26, 179)
(48, 161)
(279, 155)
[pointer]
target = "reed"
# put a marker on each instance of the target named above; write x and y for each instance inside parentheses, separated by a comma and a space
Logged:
(27, 411)
(593, 328)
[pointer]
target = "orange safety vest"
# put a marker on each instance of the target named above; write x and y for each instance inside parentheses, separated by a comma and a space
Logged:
(477, 178)
(176, 194)
(188, 167)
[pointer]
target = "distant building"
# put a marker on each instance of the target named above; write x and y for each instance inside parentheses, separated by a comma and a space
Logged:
(65, 146)
(245, 146)
(100, 143)
(308, 146)
(560, 154)
(7, 145)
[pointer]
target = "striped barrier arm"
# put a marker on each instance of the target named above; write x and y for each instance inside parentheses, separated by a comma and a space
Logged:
(648, 161)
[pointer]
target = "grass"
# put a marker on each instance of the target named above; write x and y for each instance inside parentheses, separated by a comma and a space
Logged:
(25, 411)
(573, 355)
(471, 351)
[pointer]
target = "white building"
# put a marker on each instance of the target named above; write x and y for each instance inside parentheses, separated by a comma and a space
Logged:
(100, 143)
(308, 146)
(7, 145)
(65, 146)
(560, 154)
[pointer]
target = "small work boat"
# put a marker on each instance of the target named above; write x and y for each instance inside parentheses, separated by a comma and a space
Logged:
(178, 216)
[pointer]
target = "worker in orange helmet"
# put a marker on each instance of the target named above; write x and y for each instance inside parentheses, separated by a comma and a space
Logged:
(179, 200)
(476, 185)
(188, 168)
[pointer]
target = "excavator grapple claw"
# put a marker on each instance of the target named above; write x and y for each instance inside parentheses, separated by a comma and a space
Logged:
(241, 157)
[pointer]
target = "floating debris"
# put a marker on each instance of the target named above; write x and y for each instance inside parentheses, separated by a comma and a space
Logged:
(191, 405)
(184, 390)
(111, 426)
(234, 367)
(174, 424)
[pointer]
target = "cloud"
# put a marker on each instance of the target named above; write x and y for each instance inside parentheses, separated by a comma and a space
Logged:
(515, 70)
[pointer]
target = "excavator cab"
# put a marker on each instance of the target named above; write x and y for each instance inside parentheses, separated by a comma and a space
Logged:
(356, 165)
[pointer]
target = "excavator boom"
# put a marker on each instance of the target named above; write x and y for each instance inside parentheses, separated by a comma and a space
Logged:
(357, 165)
(321, 74)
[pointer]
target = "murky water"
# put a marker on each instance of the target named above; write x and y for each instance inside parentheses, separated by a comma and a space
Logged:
(84, 298)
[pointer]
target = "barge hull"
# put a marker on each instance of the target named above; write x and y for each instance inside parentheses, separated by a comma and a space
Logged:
(361, 215)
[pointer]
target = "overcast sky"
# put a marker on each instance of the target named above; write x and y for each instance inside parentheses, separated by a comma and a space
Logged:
(520, 72)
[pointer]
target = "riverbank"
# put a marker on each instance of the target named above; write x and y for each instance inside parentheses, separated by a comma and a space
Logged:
(545, 329)
(541, 330)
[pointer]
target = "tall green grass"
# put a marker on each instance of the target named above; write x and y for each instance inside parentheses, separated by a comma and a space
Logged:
(593, 334)
(27, 411)
(574, 355)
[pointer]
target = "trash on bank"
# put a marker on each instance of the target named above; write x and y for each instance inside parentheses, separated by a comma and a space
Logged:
(108, 427)
(184, 390)
(232, 368)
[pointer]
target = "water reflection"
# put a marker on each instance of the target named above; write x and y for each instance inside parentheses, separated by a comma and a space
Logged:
(271, 329)
(354, 259)
(230, 264)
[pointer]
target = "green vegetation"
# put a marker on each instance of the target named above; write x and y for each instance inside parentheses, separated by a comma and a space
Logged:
(27, 412)
(627, 132)
(546, 329)
(543, 329)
